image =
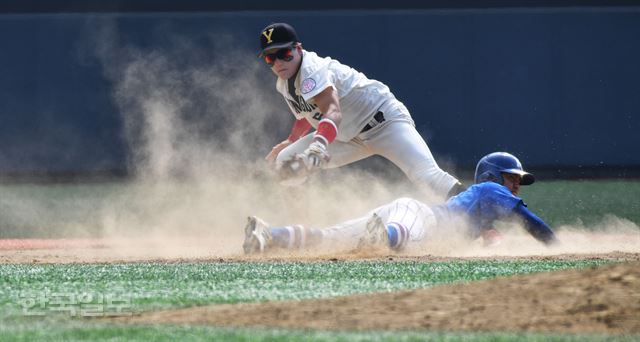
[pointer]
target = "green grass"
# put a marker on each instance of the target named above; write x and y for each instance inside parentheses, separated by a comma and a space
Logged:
(157, 285)
(202, 333)
(585, 202)
(53, 210)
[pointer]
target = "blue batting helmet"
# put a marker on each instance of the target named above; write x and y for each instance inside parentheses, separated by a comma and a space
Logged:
(491, 167)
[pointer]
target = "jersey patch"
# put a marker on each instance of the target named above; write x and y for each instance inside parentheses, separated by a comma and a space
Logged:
(308, 85)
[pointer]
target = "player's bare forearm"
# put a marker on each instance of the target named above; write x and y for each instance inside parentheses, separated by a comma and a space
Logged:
(329, 103)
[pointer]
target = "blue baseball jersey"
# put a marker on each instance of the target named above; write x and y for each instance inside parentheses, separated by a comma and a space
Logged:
(481, 204)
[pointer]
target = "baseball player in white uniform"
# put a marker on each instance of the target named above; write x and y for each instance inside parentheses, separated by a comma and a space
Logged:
(354, 117)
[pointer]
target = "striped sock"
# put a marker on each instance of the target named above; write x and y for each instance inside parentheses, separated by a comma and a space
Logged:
(398, 235)
(289, 237)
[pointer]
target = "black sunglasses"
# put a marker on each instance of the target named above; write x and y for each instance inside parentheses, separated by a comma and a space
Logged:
(285, 54)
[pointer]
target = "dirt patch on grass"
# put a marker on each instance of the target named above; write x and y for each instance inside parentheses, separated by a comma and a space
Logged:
(596, 300)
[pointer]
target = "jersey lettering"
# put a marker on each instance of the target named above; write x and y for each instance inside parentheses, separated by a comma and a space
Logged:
(301, 105)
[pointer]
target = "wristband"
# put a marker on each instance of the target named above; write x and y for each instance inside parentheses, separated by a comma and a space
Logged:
(327, 131)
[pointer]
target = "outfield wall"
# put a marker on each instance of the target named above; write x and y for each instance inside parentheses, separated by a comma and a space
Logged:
(557, 86)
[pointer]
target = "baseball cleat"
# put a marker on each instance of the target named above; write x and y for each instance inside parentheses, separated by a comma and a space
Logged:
(257, 236)
(376, 236)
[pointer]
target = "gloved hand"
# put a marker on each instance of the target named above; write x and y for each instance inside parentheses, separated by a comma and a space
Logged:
(293, 171)
(316, 155)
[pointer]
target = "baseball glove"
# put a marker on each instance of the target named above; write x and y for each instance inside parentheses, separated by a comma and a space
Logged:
(294, 171)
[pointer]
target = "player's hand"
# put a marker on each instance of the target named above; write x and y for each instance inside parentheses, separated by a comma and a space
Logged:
(271, 157)
(316, 155)
(293, 171)
(491, 238)
(552, 242)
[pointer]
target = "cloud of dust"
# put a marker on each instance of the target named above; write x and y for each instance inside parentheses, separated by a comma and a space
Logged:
(198, 122)
(612, 234)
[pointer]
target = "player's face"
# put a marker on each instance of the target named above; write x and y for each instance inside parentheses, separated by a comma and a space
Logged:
(284, 62)
(512, 182)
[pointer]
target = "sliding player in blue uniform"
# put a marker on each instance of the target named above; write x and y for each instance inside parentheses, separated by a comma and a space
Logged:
(492, 198)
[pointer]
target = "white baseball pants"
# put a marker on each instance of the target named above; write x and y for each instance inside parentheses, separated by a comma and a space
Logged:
(414, 215)
(396, 140)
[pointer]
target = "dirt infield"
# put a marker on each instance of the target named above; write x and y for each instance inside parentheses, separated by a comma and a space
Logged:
(227, 247)
(597, 300)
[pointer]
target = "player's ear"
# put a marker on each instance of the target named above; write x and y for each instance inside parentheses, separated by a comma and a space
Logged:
(489, 176)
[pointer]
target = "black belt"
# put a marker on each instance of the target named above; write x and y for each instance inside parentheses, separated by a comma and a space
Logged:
(377, 119)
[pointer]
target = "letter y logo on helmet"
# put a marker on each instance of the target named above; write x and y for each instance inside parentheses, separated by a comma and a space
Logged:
(267, 34)
(277, 36)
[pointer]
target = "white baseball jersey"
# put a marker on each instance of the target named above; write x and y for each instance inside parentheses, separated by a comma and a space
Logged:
(396, 138)
(360, 98)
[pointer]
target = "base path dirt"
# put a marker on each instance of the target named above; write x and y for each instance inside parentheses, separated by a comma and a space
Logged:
(595, 300)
